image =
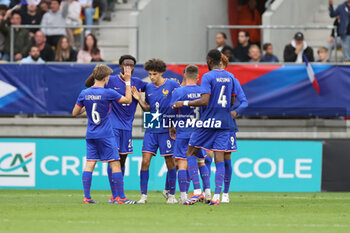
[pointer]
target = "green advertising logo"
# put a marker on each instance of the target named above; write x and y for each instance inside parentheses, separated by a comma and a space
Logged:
(17, 164)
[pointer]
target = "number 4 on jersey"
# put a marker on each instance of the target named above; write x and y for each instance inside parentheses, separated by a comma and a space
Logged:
(222, 98)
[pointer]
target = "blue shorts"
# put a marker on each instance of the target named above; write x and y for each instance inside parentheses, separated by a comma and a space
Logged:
(153, 141)
(211, 139)
(232, 143)
(101, 149)
(181, 147)
(124, 140)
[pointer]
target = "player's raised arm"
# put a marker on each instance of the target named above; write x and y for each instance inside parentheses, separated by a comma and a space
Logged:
(127, 99)
(137, 95)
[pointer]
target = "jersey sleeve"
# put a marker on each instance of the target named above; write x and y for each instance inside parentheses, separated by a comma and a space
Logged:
(175, 97)
(80, 100)
(234, 90)
(113, 95)
(243, 102)
(205, 85)
(146, 94)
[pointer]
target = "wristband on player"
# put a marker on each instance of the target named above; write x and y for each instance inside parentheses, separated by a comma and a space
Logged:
(127, 83)
(186, 103)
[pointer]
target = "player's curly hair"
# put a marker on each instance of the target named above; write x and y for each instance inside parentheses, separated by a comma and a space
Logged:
(101, 71)
(214, 56)
(155, 64)
(126, 57)
(224, 61)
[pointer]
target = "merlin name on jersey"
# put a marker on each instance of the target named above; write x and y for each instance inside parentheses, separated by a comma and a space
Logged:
(193, 123)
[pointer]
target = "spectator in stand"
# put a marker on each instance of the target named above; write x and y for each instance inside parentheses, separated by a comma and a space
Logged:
(249, 15)
(21, 41)
(34, 56)
(228, 52)
(44, 7)
(84, 54)
(242, 50)
(331, 45)
(294, 51)
(268, 56)
(46, 52)
(3, 10)
(72, 19)
(5, 3)
(322, 53)
(254, 53)
(31, 16)
(344, 25)
(89, 11)
(220, 40)
(64, 51)
(96, 55)
(54, 17)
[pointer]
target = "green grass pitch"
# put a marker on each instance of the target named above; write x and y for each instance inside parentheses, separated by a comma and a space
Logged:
(34, 211)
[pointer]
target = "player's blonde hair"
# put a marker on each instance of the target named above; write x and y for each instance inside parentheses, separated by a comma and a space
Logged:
(101, 71)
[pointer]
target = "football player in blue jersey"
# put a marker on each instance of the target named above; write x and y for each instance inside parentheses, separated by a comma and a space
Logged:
(240, 104)
(122, 115)
(183, 127)
(100, 141)
(158, 95)
(218, 95)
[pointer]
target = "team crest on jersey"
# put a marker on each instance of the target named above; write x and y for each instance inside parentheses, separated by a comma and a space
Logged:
(165, 92)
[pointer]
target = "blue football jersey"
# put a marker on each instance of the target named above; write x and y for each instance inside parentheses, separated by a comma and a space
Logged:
(241, 102)
(159, 97)
(190, 92)
(97, 101)
(220, 85)
(122, 115)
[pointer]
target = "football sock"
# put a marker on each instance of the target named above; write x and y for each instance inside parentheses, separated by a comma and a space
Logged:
(205, 177)
(208, 161)
(219, 176)
(172, 181)
(113, 188)
(167, 181)
(193, 171)
(182, 177)
(228, 175)
(144, 181)
(188, 181)
(87, 177)
(117, 178)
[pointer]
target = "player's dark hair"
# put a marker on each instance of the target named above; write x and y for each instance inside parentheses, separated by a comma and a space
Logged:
(223, 35)
(101, 71)
(126, 57)
(266, 45)
(191, 71)
(215, 56)
(155, 64)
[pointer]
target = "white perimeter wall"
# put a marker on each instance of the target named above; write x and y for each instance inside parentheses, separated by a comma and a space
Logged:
(175, 30)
